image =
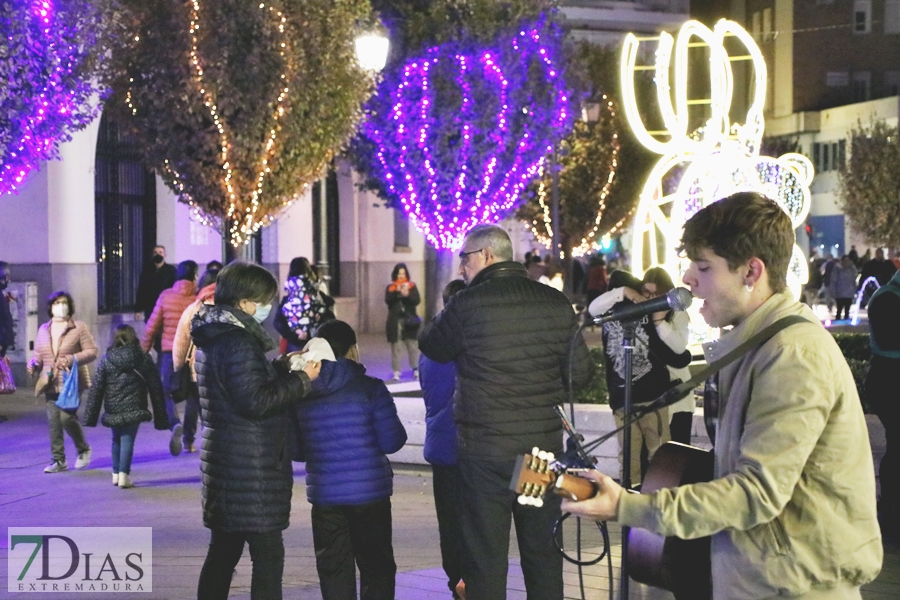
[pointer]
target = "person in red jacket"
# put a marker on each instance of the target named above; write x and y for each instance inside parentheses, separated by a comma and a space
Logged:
(166, 314)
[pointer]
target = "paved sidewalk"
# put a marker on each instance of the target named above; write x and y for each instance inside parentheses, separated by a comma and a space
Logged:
(167, 498)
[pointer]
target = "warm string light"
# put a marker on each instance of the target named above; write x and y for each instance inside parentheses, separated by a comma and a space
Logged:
(589, 243)
(445, 201)
(243, 218)
(718, 159)
(57, 101)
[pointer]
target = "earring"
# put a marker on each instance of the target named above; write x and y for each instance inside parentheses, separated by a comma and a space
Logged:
(749, 287)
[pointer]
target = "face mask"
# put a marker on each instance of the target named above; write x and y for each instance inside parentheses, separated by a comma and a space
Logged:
(60, 311)
(262, 311)
(158, 259)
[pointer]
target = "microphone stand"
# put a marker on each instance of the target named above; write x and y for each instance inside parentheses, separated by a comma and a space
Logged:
(629, 329)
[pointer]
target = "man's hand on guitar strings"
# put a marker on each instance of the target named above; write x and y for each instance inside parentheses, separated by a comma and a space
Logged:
(602, 507)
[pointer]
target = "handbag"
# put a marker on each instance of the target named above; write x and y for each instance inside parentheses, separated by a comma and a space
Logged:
(181, 382)
(7, 383)
(412, 321)
(68, 395)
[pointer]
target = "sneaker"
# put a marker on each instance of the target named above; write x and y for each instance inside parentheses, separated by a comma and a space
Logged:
(115, 479)
(190, 448)
(56, 467)
(396, 376)
(125, 480)
(175, 444)
(84, 459)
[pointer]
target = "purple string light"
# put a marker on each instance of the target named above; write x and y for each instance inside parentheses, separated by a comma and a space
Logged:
(452, 169)
(56, 101)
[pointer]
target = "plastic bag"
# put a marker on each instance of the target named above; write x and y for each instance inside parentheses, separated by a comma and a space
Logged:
(68, 395)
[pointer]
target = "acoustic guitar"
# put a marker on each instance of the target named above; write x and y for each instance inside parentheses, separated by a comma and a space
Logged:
(670, 563)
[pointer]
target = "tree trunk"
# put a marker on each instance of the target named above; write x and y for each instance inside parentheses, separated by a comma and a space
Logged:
(440, 269)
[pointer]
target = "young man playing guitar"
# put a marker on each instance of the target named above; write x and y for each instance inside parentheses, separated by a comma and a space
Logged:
(791, 508)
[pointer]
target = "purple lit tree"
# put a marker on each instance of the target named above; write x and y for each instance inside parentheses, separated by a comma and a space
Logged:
(455, 135)
(48, 61)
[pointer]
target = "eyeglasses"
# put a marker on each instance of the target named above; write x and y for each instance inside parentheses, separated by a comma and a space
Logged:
(464, 256)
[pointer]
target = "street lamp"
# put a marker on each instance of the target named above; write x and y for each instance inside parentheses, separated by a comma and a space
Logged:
(371, 53)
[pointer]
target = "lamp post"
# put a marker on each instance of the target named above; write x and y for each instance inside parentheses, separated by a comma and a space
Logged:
(371, 53)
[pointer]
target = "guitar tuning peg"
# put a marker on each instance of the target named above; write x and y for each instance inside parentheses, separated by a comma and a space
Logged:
(538, 502)
(551, 457)
(535, 451)
(542, 455)
(523, 500)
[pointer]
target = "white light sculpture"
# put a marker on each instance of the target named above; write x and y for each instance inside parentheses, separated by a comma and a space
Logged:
(718, 159)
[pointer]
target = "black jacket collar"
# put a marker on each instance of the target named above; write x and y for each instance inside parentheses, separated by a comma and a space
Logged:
(507, 268)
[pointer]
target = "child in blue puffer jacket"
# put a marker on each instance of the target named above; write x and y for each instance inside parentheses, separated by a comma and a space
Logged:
(347, 426)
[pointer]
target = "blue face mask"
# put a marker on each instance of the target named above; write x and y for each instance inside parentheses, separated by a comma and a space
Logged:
(262, 312)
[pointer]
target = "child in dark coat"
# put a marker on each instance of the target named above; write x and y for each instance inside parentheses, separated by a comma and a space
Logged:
(347, 426)
(124, 378)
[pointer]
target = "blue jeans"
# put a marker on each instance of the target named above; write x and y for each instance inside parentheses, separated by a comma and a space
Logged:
(123, 447)
(166, 370)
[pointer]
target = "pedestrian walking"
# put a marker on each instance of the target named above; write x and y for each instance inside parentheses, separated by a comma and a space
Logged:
(59, 343)
(168, 310)
(125, 378)
(347, 427)
(402, 298)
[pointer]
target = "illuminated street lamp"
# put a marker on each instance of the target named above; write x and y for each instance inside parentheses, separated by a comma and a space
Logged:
(371, 52)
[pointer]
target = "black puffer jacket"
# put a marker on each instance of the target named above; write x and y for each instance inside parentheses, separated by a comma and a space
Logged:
(245, 457)
(399, 308)
(510, 337)
(124, 378)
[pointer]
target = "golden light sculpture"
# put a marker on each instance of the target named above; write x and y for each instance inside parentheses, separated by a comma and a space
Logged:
(713, 159)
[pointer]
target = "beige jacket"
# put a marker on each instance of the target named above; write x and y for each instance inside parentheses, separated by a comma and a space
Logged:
(792, 507)
(76, 341)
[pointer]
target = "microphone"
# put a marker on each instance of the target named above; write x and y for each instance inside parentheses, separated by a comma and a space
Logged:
(675, 299)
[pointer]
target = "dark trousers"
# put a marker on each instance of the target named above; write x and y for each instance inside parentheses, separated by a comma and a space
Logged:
(680, 427)
(843, 304)
(60, 420)
(346, 537)
(166, 370)
(447, 502)
(225, 550)
(489, 508)
(889, 415)
(191, 416)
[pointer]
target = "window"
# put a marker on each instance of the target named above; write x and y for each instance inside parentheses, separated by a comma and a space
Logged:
(826, 155)
(841, 155)
(862, 86)
(401, 229)
(892, 83)
(837, 79)
(817, 156)
(862, 16)
(125, 218)
(892, 16)
(767, 24)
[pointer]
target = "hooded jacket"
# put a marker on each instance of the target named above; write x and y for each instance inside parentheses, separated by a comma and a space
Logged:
(124, 378)
(245, 457)
(792, 507)
(509, 337)
(346, 428)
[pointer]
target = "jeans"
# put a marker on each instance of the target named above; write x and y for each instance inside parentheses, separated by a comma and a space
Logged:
(486, 514)
(345, 534)
(412, 350)
(447, 501)
(59, 420)
(225, 550)
(166, 370)
(123, 447)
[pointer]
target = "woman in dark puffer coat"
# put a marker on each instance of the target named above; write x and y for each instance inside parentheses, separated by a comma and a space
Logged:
(124, 378)
(245, 456)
